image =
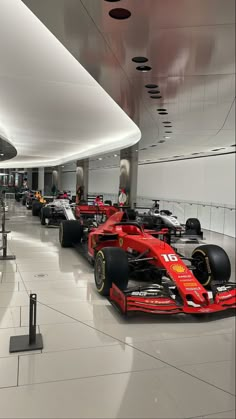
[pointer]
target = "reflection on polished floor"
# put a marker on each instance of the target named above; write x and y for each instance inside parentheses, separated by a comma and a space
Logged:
(96, 364)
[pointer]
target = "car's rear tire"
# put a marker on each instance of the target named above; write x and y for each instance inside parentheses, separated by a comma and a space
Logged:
(212, 264)
(45, 213)
(111, 266)
(36, 208)
(193, 226)
(70, 233)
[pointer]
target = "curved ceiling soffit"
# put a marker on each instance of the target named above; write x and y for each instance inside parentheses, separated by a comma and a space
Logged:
(51, 108)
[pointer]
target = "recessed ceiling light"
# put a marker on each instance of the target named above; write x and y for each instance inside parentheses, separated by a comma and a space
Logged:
(139, 59)
(155, 97)
(115, 155)
(62, 166)
(136, 150)
(163, 113)
(167, 138)
(120, 13)
(151, 86)
(153, 92)
(1, 154)
(217, 149)
(100, 158)
(143, 68)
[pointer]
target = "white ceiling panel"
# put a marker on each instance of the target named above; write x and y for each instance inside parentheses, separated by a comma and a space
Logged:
(51, 109)
(190, 46)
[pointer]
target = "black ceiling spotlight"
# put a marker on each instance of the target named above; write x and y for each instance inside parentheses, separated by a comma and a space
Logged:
(195, 154)
(154, 92)
(151, 86)
(161, 110)
(112, 1)
(163, 113)
(120, 13)
(143, 68)
(217, 149)
(154, 145)
(167, 126)
(139, 59)
(162, 141)
(168, 132)
(166, 122)
(155, 97)
(233, 145)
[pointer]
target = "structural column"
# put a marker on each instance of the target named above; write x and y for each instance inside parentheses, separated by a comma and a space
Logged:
(82, 180)
(57, 178)
(29, 178)
(41, 179)
(128, 176)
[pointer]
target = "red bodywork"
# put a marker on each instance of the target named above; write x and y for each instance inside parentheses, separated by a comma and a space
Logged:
(194, 297)
(90, 210)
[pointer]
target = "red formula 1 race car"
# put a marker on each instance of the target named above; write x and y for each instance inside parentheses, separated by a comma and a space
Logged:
(95, 208)
(166, 281)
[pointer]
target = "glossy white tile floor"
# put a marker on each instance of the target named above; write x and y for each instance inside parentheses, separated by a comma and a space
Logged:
(96, 364)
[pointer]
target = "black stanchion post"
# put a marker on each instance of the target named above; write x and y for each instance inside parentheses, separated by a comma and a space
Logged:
(32, 341)
(32, 318)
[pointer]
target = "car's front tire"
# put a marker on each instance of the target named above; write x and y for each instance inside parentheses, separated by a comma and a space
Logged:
(45, 213)
(212, 264)
(111, 266)
(70, 233)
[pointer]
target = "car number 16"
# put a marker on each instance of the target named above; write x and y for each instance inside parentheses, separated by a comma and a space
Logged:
(170, 257)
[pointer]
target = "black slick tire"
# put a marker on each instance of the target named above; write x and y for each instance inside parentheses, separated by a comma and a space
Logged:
(45, 213)
(193, 226)
(111, 266)
(212, 264)
(36, 208)
(70, 233)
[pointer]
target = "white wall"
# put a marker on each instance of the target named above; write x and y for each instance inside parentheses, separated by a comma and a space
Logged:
(69, 181)
(210, 180)
(104, 180)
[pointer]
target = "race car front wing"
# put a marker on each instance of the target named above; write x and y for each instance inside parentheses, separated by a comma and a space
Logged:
(157, 299)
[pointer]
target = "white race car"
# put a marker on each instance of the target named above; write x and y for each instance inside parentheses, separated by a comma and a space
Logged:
(158, 219)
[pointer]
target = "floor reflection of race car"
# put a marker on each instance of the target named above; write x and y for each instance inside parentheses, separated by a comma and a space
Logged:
(167, 282)
(157, 219)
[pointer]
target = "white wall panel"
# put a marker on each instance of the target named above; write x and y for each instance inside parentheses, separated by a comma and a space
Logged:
(69, 181)
(191, 211)
(217, 219)
(204, 214)
(104, 180)
(229, 222)
(207, 180)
